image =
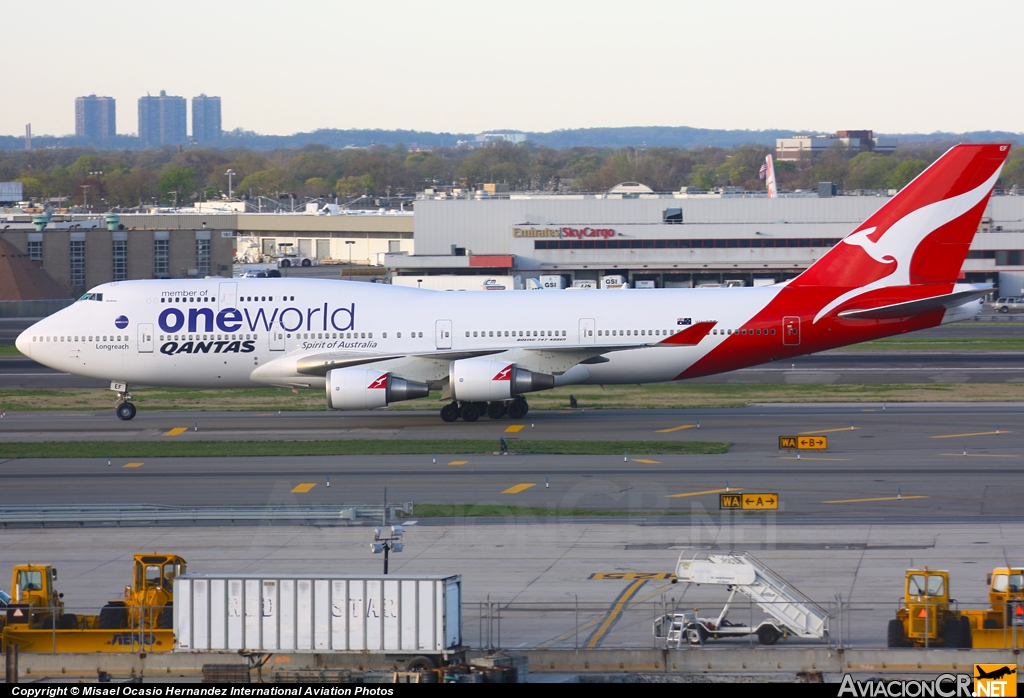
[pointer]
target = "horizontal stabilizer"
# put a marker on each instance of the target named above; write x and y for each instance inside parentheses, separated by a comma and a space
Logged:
(912, 308)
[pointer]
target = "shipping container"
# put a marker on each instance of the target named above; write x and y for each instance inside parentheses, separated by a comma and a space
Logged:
(393, 614)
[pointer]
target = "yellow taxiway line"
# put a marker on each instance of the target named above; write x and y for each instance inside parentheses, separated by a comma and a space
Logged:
(516, 489)
(977, 433)
(829, 431)
(132, 465)
(645, 460)
(808, 458)
(175, 431)
(679, 428)
(980, 455)
(695, 494)
(875, 499)
(458, 462)
(304, 487)
(514, 428)
(614, 612)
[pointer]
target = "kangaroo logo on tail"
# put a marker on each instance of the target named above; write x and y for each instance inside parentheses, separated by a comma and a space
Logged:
(894, 247)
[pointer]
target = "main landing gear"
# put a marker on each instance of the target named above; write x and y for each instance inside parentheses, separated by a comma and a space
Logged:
(124, 408)
(472, 411)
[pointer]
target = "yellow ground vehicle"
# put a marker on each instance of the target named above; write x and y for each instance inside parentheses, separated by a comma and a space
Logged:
(927, 618)
(37, 622)
(1002, 625)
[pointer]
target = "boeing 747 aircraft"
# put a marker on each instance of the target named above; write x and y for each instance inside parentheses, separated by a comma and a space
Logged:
(371, 345)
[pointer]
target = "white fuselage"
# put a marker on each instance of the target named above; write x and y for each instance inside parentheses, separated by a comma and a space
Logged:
(220, 333)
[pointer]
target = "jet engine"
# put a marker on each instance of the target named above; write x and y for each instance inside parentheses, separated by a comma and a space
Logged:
(361, 388)
(486, 380)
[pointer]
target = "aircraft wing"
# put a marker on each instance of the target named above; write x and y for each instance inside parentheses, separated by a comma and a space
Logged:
(557, 359)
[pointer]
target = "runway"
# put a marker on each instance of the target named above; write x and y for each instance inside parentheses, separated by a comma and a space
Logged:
(905, 462)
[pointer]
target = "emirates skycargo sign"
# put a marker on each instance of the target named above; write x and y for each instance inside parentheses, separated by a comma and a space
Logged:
(564, 233)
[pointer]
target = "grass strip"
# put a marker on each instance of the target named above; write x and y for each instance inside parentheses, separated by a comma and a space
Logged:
(347, 447)
(9, 350)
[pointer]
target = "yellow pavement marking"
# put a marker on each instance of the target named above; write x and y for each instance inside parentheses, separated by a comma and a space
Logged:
(565, 412)
(632, 575)
(977, 433)
(684, 426)
(875, 499)
(980, 455)
(176, 430)
(458, 462)
(809, 458)
(591, 623)
(304, 487)
(829, 431)
(516, 489)
(131, 465)
(514, 428)
(614, 612)
(694, 494)
(644, 460)
(869, 410)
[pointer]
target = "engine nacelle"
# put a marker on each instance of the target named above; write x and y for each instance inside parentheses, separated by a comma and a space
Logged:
(484, 380)
(359, 388)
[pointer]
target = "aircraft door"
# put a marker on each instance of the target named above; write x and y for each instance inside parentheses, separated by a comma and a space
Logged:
(145, 339)
(443, 334)
(277, 338)
(587, 333)
(226, 295)
(791, 331)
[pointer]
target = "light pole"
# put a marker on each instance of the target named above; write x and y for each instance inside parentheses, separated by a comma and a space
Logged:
(384, 543)
(349, 243)
(85, 193)
(230, 174)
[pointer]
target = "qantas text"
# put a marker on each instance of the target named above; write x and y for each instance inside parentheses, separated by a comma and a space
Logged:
(173, 320)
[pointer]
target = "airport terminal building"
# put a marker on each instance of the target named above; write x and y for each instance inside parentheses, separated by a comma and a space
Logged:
(665, 240)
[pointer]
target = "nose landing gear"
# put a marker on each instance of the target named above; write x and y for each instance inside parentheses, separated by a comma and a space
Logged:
(124, 408)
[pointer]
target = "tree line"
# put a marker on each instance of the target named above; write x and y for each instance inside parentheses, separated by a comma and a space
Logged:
(167, 176)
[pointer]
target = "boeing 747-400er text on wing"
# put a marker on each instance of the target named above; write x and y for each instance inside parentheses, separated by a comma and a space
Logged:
(370, 345)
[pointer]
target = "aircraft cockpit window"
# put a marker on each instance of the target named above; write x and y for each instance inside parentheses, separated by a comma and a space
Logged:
(92, 297)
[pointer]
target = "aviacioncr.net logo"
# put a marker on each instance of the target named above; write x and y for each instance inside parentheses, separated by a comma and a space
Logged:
(943, 686)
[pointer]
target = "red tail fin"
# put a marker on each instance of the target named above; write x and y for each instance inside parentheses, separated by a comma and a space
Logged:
(919, 237)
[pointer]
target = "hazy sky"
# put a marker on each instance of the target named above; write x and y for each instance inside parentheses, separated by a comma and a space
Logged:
(284, 67)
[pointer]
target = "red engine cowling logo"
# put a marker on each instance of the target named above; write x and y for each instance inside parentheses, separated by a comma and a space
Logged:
(504, 374)
(380, 383)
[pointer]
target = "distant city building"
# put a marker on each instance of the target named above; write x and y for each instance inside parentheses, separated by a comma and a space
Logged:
(807, 146)
(95, 118)
(206, 127)
(491, 137)
(162, 120)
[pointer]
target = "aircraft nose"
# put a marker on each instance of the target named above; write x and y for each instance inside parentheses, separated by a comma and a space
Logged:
(24, 343)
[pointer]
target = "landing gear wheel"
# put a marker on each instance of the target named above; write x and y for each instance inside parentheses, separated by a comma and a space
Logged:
(126, 411)
(895, 634)
(496, 410)
(518, 408)
(450, 412)
(470, 412)
(767, 635)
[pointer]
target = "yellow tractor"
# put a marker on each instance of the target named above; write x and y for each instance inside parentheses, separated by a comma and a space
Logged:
(36, 602)
(148, 602)
(141, 621)
(926, 618)
(997, 627)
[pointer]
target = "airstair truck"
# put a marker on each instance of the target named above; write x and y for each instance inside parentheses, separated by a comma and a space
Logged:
(790, 612)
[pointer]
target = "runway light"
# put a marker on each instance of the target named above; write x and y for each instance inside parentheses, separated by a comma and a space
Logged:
(625, 456)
